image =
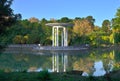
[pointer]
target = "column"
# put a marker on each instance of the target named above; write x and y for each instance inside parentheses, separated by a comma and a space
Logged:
(57, 36)
(57, 63)
(53, 38)
(65, 37)
(62, 35)
(65, 62)
(53, 63)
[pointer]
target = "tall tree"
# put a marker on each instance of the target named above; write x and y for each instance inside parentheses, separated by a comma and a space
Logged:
(91, 20)
(82, 27)
(116, 27)
(7, 17)
(116, 22)
(106, 26)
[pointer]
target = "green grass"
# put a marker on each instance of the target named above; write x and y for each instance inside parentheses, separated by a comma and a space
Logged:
(45, 76)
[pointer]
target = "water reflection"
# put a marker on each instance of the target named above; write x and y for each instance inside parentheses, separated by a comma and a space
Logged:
(91, 63)
(57, 59)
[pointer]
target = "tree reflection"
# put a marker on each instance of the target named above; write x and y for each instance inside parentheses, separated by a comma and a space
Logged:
(108, 60)
(84, 64)
(117, 60)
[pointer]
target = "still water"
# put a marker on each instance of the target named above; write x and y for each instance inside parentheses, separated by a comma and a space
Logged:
(95, 63)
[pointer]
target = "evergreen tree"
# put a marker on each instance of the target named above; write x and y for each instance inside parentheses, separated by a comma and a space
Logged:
(106, 26)
(7, 17)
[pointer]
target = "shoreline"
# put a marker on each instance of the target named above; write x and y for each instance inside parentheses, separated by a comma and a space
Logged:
(80, 47)
(33, 48)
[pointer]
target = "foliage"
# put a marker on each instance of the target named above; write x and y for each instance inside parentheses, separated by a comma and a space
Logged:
(18, 39)
(53, 77)
(65, 20)
(116, 27)
(117, 38)
(7, 17)
(82, 27)
(24, 32)
(106, 26)
(91, 20)
(33, 20)
(34, 31)
(44, 76)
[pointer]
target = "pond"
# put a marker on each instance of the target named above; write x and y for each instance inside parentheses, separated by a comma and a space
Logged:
(95, 63)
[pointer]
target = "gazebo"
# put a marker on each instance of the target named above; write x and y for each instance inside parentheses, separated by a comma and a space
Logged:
(56, 27)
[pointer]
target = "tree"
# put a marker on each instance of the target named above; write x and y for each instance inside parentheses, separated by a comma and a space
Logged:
(65, 20)
(106, 26)
(116, 22)
(33, 20)
(96, 28)
(91, 20)
(43, 21)
(82, 27)
(7, 17)
(52, 20)
(18, 39)
(77, 18)
(116, 27)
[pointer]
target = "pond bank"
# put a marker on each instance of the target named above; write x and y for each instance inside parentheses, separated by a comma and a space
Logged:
(38, 47)
(45, 76)
(80, 47)
(30, 48)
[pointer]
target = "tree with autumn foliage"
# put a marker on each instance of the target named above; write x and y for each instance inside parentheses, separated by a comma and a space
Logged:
(82, 27)
(34, 20)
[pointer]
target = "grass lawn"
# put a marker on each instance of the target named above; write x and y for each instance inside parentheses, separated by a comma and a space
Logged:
(45, 76)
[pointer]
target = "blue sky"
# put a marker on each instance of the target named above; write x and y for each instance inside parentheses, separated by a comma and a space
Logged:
(99, 9)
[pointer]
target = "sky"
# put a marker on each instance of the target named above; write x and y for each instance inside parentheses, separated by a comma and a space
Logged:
(99, 9)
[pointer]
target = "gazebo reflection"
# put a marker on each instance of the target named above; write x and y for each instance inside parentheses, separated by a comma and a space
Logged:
(59, 62)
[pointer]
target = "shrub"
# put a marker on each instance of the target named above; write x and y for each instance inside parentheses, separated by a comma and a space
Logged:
(43, 76)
